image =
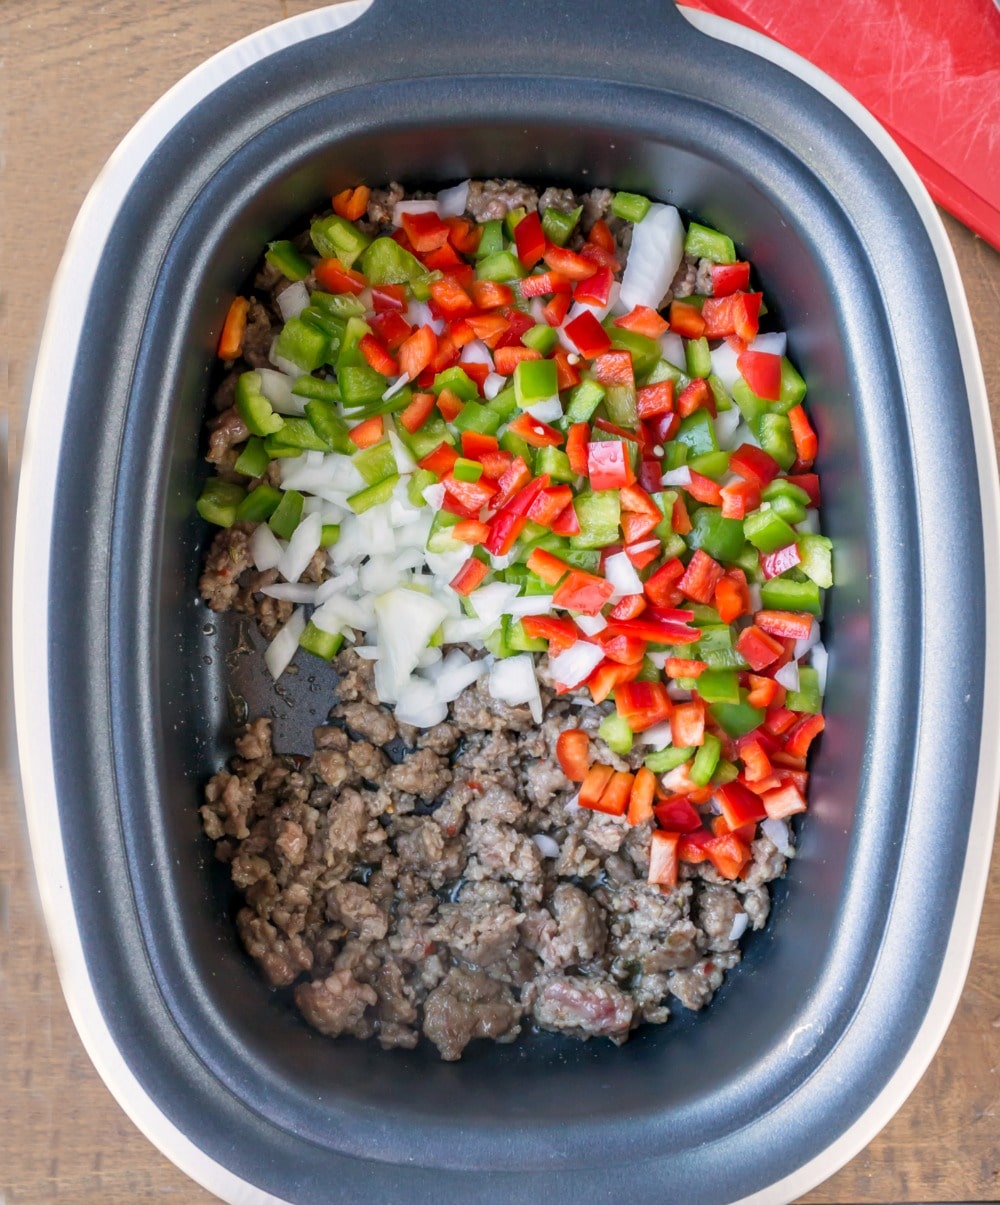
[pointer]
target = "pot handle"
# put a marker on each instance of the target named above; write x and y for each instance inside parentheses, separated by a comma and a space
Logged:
(622, 40)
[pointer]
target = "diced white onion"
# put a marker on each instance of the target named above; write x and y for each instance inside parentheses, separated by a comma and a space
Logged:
(455, 673)
(451, 202)
(644, 546)
(724, 367)
(620, 572)
(378, 574)
(404, 461)
(401, 207)
(659, 736)
(739, 926)
(277, 388)
(775, 342)
(654, 256)
(405, 621)
(820, 663)
(778, 832)
(788, 676)
(301, 547)
(476, 352)
(672, 346)
(279, 653)
(429, 657)
(549, 410)
(681, 477)
(726, 425)
(434, 495)
(293, 300)
(419, 705)
(529, 604)
(575, 664)
(492, 601)
(399, 383)
(367, 652)
(810, 524)
(513, 681)
(547, 846)
(590, 625)
(806, 643)
(492, 385)
(294, 592)
(265, 548)
(659, 659)
(756, 601)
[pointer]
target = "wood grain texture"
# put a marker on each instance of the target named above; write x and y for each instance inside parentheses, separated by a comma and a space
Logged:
(75, 76)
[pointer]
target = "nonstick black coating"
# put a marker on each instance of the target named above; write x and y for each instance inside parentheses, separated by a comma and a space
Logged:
(146, 685)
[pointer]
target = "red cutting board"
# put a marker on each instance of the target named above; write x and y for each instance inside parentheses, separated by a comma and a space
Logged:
(929, 70)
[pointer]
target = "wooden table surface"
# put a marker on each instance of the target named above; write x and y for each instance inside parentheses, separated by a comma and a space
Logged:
(74, 77)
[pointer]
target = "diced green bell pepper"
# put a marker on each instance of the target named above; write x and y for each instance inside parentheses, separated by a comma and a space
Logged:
(665, 371)
(337, 238)
(706, 243)
(737, 719)
(297, 433)
(491, 239)
(698, 357)
(630, 206)
(513, 218)
(467, 470)
(259, 504)
(555, 462)
(254, 408)
(474, 416)
(774, 432)
(361, 385)
(321, 644)
(645, 352)
(385, 262)
(616, 733)
(535, 381)
(288, 260)
(665, 760)
(321, 390)
(816, 559)
(793, 387)
(303, 343)
(807, 698)
(721, 538)
(541, 338)
(458, 381)
(521, 642)
(599, 514)
(558, 226)
(373, 495)
(337, 305)
(287, 515)
(253, 460)
(329, 535)
(725, 771)
(439, 538)
(329, 426)
(418, 482)
(785, 594)
(718, 685)
(767, 531)
(697, 431)
(219, 501)
(501, 266)
(705, 760)
(620, 403)
(710, 464)
(375, 463)
(584, 400)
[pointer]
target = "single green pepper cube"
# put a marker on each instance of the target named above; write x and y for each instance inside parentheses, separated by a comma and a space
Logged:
(816, 559)
(253, 460)
(767, 531)
(317, 388)
(698, 357)
(416, 485)
(555, 462)
(698, 432)
(298, 433)
(541, 338)
(705, 760)
(774, 432)
(719, 686)
(781, 487)
(325, 420)
(675, 455)
(663, 370)
(303, 343)
(785, 594)
(254, 408)
(710, 464)
(725, 659)
(439, 538)
(750, 405)
(620, 403)
(491, 239)
(259, 504)
(219, 501)
(630, 206)
(420, 286)
(715, 637)
(736, 719)
(705, 243)
(385, 262)
(702, 614)
(516, 446)
(513, 218)
(287, 515)
(321, 644)
(425, 439)
(337, 305)
(584, 400)
(723, 401)
(335, 237)
(373, 495)
(665, 760)
(535, 381)
(501, 266)
(599, 514)
(725, 771)
(558, 226)
(721, 538)
(616, 733)
(288, 260)
(458, 381)
(497, 641)
(467, 470)
(504, 404)
(329, 535)
(648, 671)
(791, 511)
(375, 463)
(332, 327)
(793, 387)
(808, 697)
(474, 416)
(361, 385)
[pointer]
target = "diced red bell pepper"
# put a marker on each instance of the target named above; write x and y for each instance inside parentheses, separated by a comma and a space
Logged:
(587, 335)
(596, 289)
(680, 520)
(596, 779)
(806, 444)
(736, 314)
(446, 259)
(663, 859)
(792, 625)
(691, 846)
(656, 631)
(626, 650)
(556, 308)
(449, 404)
(782, 559)
(518, 322)
(463, 235)
(469, 576)
(677, 815)
(660, 587)
(615, 796)
(476, 444)
(549, 504)
(643, 704)
(732, 597)
(600, 233)
(333, 277)
(635, 499)
(388, 298)
(684, 667)
(808, 482)
(391, 328)
(628, 607)
(576, 447)
(636, 527)
(784, 801)
(603, 424)
(367, 433)
(441, 460)
(567, 374)
(545, 284)
(608, 676)
(418, 351)
(582, 591)
(520, 504)
(650, 474)
(505, 526)
(418, 411)
(686, 320)
(352, 203)
(507, 358)
(446, 354)
(754, 464)
(599, 256)
(608, 465)
(573, 753)
(560, 633)
(536, 433)
(512, 480)
(652, 400)
(704, 489)
(567, 523)
(426, 231)
(762, 372)
(472, 495)
(450, 299)
(764, 692)
(803, 734)
(779, 720)
(476, 372)
(643, 553)
(701, 577)
(687, 724)
(614, 368)
(643, 320)
(730, 278)
(757, 648)
(495, 464)
(697, 395)
(491, 294)
(489, 327)
(529, 239)
(378, 357)
(550, 568)
(728, 854)
(640, 800)
(756, 763)
(470, 531)
(738, 498)
(568, 263)
(234, 329)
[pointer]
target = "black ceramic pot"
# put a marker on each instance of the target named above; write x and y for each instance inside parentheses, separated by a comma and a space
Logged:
(122, 678)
